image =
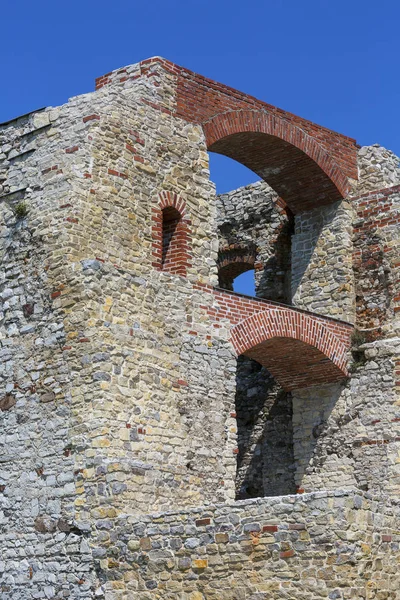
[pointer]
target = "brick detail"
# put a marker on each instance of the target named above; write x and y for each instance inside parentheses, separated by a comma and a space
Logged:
(294, 164)
(300, 349)
(314, 163)
(377, 220)
(171, 234)
(293, 346)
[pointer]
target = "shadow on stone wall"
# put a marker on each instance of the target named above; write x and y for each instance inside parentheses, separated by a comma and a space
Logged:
(318, 441)
(265, 439)
(274, 281)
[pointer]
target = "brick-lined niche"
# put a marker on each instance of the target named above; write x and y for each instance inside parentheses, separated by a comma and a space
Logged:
(171, 235)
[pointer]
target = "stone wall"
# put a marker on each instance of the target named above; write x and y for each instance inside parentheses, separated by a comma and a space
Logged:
(377, 168)
(349, 435)
(119, 387)
(250, 218)
(264, 431)
(122, 420)
(341, 545)
(322, 275)
(43, 552)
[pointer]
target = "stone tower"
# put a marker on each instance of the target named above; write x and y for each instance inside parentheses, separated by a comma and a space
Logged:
(163, 436)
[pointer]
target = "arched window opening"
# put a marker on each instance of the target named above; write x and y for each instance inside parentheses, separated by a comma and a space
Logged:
(228, 174)
(174, 242)
(251, 220)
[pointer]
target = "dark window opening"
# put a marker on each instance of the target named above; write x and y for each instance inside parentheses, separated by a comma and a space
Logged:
(174, 242)
(265, 464)
(236, 268)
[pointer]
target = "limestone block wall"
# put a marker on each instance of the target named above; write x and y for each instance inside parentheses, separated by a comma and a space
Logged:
(123, 418)
(322, 274)
(43, 552)
(253, 217)
(349, 435)
(342, 545)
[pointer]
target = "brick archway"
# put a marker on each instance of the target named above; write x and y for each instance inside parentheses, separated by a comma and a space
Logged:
(296, 166)
(308, 165)
(298, 349)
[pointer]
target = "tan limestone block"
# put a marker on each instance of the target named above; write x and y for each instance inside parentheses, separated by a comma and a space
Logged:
(200, 563)
(101, 443)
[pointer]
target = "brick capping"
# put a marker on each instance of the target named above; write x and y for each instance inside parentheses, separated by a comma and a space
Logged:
(271, 159)
(300, 349)
(307, 164)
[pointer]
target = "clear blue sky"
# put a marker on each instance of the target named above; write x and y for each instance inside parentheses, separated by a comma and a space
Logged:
(333, 62)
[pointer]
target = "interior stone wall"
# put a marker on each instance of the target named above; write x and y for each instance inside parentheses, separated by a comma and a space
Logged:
(322, 275)
(252, 216)
(347, 435)
(264, 431)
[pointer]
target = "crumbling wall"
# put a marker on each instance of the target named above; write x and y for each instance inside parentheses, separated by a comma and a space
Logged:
(378, 168)
(252, 217)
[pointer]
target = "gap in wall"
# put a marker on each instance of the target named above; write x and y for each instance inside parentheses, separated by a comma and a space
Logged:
(245, 283)
(228, 174)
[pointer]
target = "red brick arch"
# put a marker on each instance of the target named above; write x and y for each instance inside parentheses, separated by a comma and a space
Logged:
(307, 164)
(298, 349)
(289, 159)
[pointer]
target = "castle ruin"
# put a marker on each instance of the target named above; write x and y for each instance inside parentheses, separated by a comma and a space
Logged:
(163, 437)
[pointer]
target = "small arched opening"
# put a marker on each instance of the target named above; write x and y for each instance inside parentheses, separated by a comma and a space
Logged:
(173, 241)
(234, 261)
(170, 233)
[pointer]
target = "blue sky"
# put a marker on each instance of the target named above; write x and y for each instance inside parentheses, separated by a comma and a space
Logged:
(333, 62)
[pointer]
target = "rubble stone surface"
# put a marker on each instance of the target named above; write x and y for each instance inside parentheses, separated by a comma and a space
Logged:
(141, 457)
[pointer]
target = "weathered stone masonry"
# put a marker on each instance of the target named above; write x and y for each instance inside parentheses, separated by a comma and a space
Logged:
(140, 396)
